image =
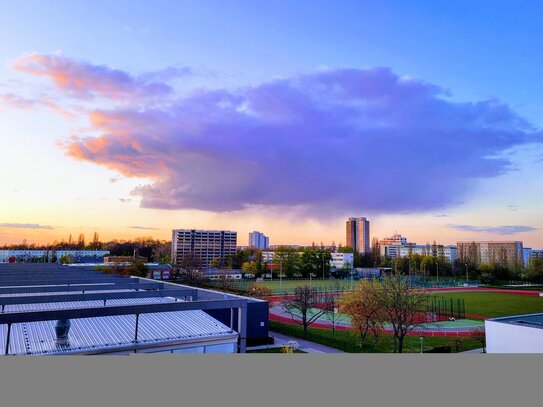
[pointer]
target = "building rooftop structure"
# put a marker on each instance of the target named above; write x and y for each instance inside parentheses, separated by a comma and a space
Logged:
(529, 320)
(112, 314)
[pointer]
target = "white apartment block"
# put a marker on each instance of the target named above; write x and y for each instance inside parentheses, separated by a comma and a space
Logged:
(259, 240)
(206, 245)
(339, 260)
(449, 252)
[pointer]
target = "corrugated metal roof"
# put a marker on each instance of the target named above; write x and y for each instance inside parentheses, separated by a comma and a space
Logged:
(109, 333)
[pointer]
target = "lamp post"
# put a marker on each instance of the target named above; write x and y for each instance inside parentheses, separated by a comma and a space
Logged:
(466, 273)
(322, 254)
(281, 275)
(437, 273)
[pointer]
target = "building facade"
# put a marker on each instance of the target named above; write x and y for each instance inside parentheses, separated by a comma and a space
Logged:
(259, 240)
(51, 256)
(389, 246)
(506, 253)
(209, 246)
(449, 252)
(358, 234)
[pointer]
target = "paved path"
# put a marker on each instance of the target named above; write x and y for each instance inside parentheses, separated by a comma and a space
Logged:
(306, 346)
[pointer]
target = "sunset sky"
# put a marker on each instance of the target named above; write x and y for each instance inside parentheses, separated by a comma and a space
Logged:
(132, 118)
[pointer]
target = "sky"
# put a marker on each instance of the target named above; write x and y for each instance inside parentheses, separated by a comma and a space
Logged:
(133, 118)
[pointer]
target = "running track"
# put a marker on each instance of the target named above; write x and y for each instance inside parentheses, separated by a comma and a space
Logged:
(450, 332)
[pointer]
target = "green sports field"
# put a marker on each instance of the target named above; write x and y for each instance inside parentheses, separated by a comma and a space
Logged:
(488, 304)
(289, 285)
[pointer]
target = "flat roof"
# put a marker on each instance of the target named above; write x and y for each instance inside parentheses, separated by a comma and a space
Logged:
(107, 312)
(528, 320)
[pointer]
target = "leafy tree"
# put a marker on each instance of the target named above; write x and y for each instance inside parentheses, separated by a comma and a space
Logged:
(259, 291)
(249, 267)
(401, 306)
(534, 271)
(364, 310)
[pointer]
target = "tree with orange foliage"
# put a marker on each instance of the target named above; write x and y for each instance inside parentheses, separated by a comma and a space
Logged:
(364, 310)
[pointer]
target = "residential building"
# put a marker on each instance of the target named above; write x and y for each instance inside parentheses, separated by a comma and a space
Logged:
(339, 260)
(358, 234)
(507, 253)
(530, 254)
(209, 246)
(449, 252)
(258, 240)
(342, 260)
(389, 246)
(515, 334)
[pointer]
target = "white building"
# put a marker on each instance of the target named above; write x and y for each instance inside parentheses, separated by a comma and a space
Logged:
(449, 252)
(339, 260)
(259, 240)
(342, 260)
(529, 254)
(389, 246)
(516, 334)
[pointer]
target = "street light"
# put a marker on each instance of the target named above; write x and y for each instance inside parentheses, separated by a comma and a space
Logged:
(437, 273)
(322, 254)
(281, 275)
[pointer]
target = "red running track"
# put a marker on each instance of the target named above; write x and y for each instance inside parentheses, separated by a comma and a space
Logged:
(279, 318)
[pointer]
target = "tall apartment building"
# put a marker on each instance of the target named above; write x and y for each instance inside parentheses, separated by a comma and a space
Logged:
(358, 234)
(508, 253)
(259, 240)
(207, 245)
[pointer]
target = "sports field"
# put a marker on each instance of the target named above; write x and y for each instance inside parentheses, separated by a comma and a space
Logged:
(289, 285)
(488, 304)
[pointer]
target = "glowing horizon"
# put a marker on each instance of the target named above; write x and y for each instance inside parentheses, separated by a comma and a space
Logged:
(162, 126)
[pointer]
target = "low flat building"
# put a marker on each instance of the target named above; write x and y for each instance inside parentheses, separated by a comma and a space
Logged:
(223, 274)
(515, 334)
(50, 309)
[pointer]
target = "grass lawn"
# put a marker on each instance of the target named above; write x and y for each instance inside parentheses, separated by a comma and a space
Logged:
(290, 285)
(349, 342)
(497, 304)
(272, 350)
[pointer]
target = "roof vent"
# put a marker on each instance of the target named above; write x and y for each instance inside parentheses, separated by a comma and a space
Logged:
(62, 327)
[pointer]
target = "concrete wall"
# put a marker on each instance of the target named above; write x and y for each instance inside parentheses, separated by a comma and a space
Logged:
(508, 338)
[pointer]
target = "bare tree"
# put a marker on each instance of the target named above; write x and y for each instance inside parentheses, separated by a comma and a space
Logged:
(189, 270)
(402, 306)
(480, 335)
(330, 306)
(305, 306)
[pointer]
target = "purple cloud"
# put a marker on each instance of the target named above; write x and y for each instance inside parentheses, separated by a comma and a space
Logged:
(333, 141)
(141, 227)
(500, 230)
(24, 226)
(84, 80)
